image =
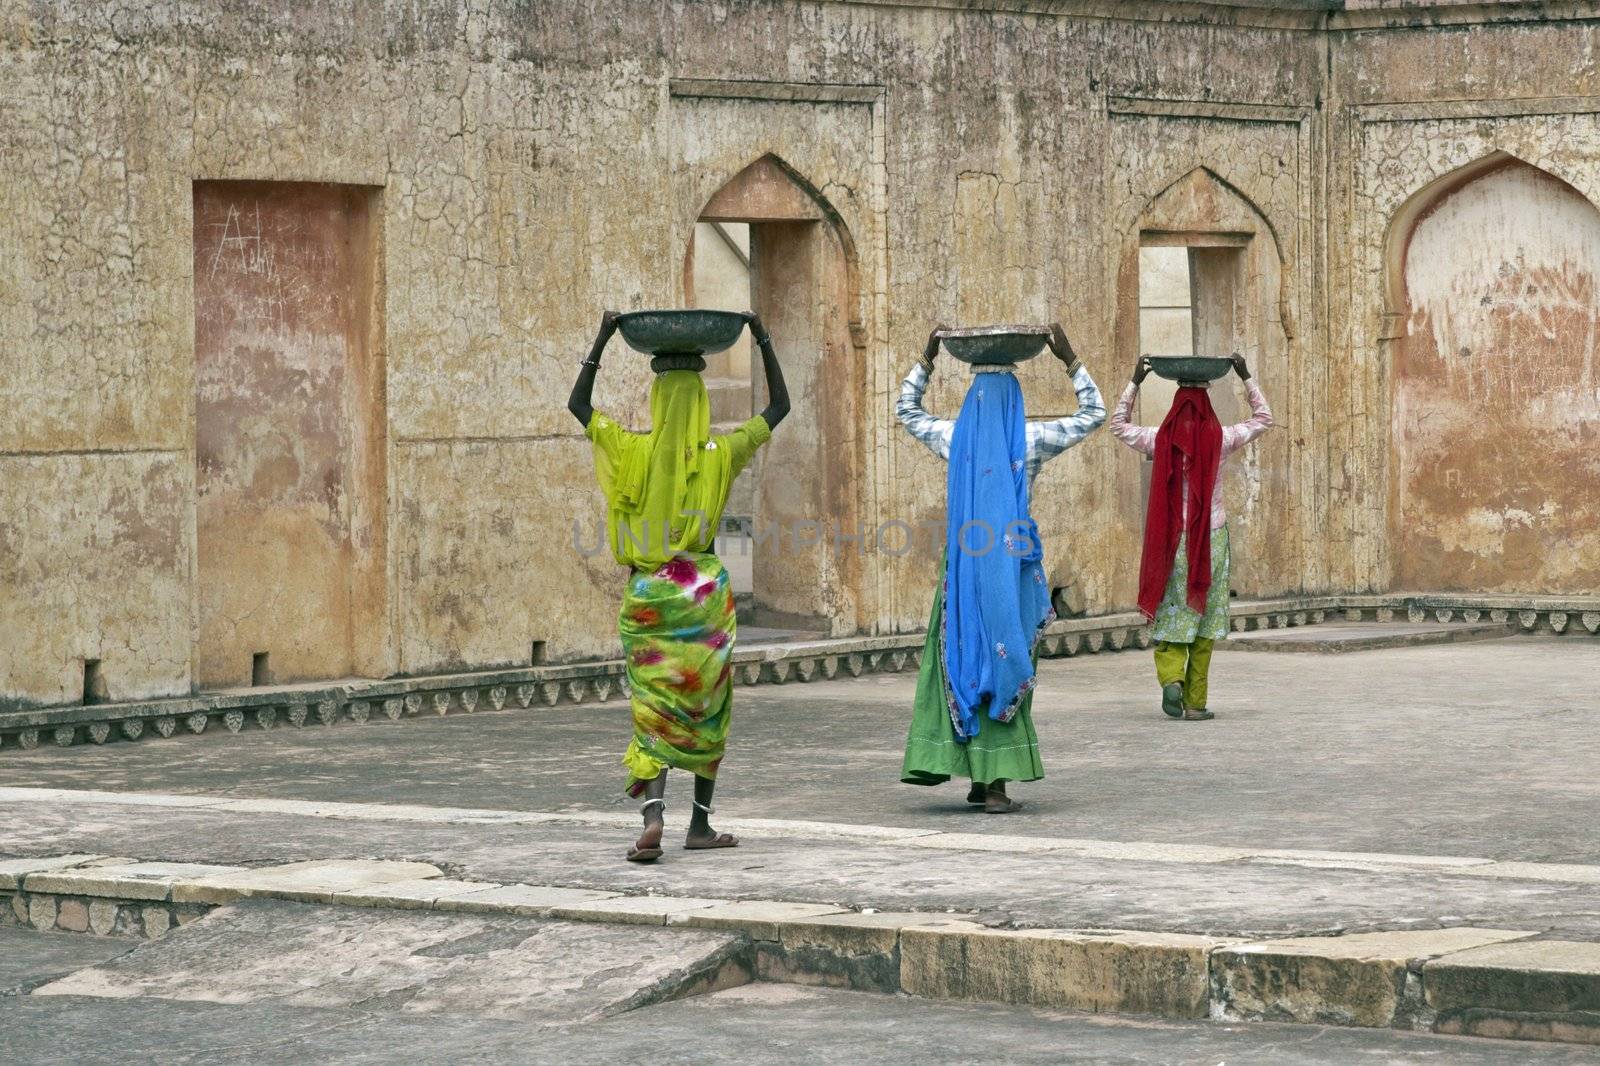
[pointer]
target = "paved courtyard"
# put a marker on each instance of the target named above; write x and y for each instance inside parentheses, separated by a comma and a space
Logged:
(1401, 789)
(1477, 749)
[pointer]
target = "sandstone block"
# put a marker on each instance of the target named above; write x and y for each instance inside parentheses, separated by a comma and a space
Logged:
(1360, 979)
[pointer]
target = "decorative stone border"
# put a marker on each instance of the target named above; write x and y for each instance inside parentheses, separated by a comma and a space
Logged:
(103, 917)
(1463, 979)
(360, 702)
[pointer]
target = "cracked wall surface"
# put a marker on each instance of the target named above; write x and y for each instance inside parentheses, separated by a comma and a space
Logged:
(538, 162)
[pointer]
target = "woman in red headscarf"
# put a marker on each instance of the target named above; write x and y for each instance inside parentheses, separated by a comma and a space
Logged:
(1183, 575)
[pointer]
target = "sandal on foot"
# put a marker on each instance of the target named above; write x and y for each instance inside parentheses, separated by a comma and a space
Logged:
(977, 794)
(1001, 805)
(718, 840)
(638, 854)
(1172, 699)
(1197, 714)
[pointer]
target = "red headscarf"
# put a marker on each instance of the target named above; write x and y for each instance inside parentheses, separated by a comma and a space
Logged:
(1190, 439)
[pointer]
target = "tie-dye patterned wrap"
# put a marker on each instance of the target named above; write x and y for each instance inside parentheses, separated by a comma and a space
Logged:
(678, 629)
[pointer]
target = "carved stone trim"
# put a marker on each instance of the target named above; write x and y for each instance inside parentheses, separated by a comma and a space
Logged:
(1219, 109)
(780, 91)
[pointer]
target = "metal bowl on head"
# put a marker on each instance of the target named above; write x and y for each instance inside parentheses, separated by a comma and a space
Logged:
(1190, 369)
(680, 332)
(995, 345)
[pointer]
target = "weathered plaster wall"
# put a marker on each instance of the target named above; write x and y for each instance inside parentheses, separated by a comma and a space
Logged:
(289, 432)
(1411, 113)
(538, 162)
(1497, 401)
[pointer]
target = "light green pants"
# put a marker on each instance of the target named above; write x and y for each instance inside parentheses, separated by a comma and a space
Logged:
(1188, 663)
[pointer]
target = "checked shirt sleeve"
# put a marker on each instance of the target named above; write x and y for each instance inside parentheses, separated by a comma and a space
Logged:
(936, 433)
(1046, 440)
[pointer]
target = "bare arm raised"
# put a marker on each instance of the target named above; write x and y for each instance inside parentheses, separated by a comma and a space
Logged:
(777, 408)
(580, 403)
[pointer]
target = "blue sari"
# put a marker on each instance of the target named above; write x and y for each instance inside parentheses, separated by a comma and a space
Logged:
(996, 599)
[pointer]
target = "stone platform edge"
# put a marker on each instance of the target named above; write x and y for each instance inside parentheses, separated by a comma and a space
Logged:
(1461, 980)
(596, 682)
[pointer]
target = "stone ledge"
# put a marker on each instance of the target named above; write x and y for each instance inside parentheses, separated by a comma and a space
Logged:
(359, 702)
(1480, 982)
(126, 881)
(1363, 979)
(316, 881)
(1129, 972)
(13, 870)
(1529, 990)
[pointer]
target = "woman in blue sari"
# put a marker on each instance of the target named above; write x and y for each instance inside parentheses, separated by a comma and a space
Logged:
(973, 712)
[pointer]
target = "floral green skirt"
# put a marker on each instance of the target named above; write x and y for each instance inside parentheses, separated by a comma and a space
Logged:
(1177, 622)
(678, 628)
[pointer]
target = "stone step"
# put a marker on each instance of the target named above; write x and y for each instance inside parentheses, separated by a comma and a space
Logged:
(488, 965)
(1366, 636)
(492, 948)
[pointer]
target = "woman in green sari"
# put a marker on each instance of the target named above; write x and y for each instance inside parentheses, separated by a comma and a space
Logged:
(665, 491)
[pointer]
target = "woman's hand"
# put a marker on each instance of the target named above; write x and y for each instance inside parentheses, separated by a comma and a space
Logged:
(608, 326)
(757, 329)
(1060, 346)
(1141, 369)
(1240, 368)
(931, 349)
(580, 403)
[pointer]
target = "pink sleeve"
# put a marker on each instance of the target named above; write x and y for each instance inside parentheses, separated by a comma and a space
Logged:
(1237, 436)
(1141, 439)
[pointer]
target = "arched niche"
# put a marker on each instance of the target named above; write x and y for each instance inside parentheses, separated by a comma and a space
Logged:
(798, 260)
(1492, 291)
(1238, 300)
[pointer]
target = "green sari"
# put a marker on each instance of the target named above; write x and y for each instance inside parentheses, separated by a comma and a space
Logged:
(1006, 751)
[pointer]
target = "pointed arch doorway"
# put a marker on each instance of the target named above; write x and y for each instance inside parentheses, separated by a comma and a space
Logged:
(1201, 272)
(769, 242)
(1492, 286)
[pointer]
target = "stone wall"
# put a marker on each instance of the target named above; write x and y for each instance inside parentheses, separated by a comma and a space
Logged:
(534, 163)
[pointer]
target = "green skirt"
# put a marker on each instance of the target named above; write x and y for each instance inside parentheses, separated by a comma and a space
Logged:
(1001, 751)
(1177, 622)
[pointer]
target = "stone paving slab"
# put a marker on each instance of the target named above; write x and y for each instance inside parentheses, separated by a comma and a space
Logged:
(421, 894)
(758, 919)
(1477, 750)
(1052, 889)
(13, 869)
(526, 900)
(313, 881)
(782, 1024)
(29, 958)
(1141, 851)
(127, 880)
(637, 910)
(368, 960)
